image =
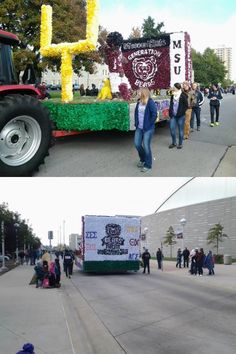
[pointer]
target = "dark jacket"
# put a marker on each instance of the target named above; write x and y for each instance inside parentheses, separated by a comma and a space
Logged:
(183, 105)
(217, 94)
(146, 257)
(199, 99)
(150, 115)
(159, 255)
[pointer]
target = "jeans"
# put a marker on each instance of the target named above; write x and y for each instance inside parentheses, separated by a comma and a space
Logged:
(196, 111)
(212, 110)
(179, 122)
(142, 142)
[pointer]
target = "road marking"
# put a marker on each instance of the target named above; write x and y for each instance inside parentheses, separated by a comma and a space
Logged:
(68, 329)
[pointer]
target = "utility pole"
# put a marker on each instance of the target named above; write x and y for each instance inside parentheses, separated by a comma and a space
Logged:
(64, 233)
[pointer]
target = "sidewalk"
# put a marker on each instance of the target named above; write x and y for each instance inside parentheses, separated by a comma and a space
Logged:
(227, 166)
(31, 315)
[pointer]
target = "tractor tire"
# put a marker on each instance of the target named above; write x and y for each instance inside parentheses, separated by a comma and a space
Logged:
(25, 135)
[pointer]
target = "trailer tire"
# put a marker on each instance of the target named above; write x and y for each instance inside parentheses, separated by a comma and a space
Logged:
(25, 135)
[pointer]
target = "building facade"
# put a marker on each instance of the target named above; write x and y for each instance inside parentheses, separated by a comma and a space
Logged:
(225, 55)
(74, 241)
(199, 219)
(101, 72)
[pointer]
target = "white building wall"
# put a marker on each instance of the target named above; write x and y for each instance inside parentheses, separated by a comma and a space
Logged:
(54, 78)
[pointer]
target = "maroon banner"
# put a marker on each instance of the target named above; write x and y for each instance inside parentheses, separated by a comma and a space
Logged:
(148, 67)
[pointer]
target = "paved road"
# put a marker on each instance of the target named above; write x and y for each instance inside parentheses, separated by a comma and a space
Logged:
(113, 154)
(160, 313)
(166, 312)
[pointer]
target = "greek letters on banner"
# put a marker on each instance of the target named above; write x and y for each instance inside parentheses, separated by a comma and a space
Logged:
(111, 238)
(177, 57)
(147, 62)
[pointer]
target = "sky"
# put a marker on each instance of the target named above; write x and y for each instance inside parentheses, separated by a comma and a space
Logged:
(46, 202)
(209, 23)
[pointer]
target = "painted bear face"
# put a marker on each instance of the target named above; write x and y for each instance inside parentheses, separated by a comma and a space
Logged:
(144, 68)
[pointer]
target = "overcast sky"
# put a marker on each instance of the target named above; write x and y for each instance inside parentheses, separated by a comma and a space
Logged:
(209, 23)
(46, 202)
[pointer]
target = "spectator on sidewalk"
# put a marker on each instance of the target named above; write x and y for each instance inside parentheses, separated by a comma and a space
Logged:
(191, 102)
(186, 254)
(196, 111)
(178, 107)
(215, 96)
(146, 261)
(178, 258)
(58, 272)
(200, 258)
(39, 271)
(22, 256)
(159, 256)
(209, 263)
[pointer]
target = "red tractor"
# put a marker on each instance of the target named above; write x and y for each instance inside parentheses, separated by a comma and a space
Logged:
(25, 127)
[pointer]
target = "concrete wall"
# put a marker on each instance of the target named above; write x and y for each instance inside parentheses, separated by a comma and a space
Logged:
(199, 219)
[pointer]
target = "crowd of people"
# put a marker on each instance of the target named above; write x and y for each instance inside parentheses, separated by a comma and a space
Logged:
(197, 259)
(48, 271)
(184, 112)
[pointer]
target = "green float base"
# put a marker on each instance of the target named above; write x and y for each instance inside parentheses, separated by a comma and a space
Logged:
(94, 116)
(110, 266)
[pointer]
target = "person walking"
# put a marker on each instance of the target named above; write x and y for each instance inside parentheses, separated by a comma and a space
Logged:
(209, 263)
(178, 258)
(196, 110)
(146, 261)
(191, 102)
(159, 256)
(186, 254)
(215, 96)
(145, 117)
(68, 263)
(22, 257)
(178, 107)
(57, 272)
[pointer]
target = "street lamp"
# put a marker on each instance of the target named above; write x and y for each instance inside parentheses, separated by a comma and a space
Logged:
(16, 225)
(183, 222)
(3, 267)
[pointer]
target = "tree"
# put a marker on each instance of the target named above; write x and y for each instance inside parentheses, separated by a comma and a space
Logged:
(207, 67)
(150, 29)
(216, 235)
(170, 239)
(135, 33)
(22, 17)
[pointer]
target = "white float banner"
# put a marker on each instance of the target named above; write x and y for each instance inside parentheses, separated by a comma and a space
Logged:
(177, 57)
(111, 238)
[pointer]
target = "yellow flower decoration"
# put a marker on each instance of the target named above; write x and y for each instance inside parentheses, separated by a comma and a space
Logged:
(67, 50)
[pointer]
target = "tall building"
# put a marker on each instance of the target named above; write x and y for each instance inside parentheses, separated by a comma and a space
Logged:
(225, 55)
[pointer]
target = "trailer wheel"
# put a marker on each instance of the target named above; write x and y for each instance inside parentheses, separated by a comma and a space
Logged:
(25, 135)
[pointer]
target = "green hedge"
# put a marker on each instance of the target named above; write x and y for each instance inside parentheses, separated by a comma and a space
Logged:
(110, 266)
(90, 116)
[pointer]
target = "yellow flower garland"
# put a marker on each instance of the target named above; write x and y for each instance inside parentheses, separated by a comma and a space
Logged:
(67, 50)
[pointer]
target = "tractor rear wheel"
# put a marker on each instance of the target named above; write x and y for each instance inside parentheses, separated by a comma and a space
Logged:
(25, 135)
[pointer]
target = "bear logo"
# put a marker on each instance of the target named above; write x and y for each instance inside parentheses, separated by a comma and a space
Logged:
(144, 68)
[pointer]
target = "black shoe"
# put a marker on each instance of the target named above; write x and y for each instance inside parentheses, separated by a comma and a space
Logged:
(198, 129)
(171, 146)
(179, 146)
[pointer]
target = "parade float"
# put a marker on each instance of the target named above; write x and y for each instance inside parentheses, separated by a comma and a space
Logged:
(156, 63)
(109, 244)
(28, 123)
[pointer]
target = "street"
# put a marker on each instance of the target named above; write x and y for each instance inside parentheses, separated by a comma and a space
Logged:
(161, 313)
(169, 312)
(112, 154)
